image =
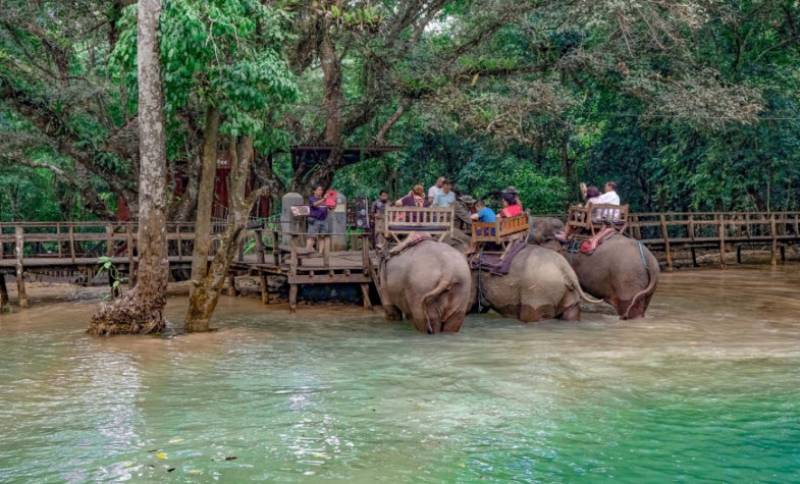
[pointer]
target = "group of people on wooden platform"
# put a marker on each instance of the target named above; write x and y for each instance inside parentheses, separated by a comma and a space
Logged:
(466, 209)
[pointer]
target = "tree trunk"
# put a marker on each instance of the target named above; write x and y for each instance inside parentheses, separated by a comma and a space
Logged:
(202, 227)
(141, 309)
(206, 290)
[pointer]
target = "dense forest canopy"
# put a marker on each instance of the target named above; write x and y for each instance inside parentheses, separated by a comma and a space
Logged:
(687, 104)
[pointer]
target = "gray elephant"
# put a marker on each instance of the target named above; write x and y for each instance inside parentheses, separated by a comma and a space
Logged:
(621, 270)
(540, 285)
(430, 284)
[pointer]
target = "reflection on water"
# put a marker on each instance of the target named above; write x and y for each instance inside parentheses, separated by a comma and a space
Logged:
(705, 388)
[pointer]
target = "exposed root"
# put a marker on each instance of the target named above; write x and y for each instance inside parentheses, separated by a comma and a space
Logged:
(128, 315)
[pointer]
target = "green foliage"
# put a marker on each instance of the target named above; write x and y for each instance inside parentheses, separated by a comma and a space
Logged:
(107, 266)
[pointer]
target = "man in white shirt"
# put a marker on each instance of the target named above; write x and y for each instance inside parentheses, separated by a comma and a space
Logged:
(435, 189)
(610, 197)
(445, 197)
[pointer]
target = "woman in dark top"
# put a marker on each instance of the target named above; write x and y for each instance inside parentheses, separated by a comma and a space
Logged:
(317, 218)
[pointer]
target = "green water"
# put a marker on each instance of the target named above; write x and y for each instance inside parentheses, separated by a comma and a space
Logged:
(707, 388)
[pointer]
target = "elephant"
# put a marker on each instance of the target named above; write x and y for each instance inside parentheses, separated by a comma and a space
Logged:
(540, 285)
(428, 283)
(622, 271)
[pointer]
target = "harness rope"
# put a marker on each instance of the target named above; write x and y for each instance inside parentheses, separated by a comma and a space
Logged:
(644, 259)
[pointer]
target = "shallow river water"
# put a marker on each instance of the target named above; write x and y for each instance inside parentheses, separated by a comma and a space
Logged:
(707, 387)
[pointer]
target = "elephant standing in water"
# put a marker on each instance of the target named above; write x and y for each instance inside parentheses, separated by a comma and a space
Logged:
(621, 271)
(429, 283)
(539, 285)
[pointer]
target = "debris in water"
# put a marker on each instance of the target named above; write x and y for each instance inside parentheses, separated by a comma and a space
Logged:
(231, 457)
(161, 455)
(170, 469)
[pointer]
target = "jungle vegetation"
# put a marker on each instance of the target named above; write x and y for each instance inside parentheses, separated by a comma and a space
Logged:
(688, 104)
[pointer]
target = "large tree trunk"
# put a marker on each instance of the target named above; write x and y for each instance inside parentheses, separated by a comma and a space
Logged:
(202, 227)
(141, 309)
(206, 290)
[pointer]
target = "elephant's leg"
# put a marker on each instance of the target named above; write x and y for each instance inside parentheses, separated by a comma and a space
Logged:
(422, 322)
(531, 311)
(571, 313)
(453, 325)
(392, 313)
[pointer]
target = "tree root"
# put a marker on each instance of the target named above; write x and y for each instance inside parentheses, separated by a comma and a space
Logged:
(128, 315)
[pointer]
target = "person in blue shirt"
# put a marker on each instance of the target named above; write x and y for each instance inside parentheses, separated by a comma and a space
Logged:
(445, 197)
(483, 213)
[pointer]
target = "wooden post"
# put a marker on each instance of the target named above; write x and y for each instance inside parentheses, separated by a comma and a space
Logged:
(179, 241)
(325, 241)
(58, 240)
(739, 254)
(232, 285)
(260, 252)
(773, 232)
(665, 235)
(365, 252)
(721, 241)
(72, 242)
(3, 293)
(264, 288)
(276, 249)
(109, 240)
(19, 236)
(365, 295)
(292, 297)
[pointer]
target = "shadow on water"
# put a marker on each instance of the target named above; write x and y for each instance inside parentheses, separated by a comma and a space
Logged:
(704, 388)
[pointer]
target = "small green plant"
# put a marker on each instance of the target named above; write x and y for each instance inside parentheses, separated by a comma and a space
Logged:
(115, 278)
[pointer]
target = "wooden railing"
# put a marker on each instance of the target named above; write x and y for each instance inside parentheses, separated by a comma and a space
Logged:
(694, 230)
(399, 221)
(500, 231)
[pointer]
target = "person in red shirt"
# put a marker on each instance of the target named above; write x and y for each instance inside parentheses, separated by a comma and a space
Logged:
(511, 207)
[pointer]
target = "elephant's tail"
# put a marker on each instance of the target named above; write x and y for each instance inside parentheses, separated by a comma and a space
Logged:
(573, 280)
(651, 269)
(444, 285)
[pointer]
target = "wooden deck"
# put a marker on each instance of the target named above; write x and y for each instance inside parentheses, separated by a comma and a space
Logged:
(265, 252)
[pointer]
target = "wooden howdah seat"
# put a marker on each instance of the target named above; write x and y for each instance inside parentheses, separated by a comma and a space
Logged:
(586, 221)
(502, 232)
(400, 222)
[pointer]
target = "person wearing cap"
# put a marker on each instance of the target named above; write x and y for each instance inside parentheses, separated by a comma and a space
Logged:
(463, 210)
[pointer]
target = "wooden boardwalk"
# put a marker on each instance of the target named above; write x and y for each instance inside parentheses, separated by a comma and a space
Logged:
(59, 247)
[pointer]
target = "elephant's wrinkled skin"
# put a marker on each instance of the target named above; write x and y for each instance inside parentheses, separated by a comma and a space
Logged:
(620, 271)
(430, 284)
(539, 285)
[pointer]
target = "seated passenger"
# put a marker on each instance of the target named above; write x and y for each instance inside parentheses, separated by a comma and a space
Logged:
(415, 198)
(510, 206)
(513, 191)
(483, 213)
(445, 197)
(610, 197)
(592, 195)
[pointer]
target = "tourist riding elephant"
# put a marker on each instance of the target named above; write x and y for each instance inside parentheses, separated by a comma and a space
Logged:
(428, 282)
(621, 271)
(539, 285)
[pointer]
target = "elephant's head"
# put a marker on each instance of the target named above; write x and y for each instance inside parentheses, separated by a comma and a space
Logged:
(547, 231)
